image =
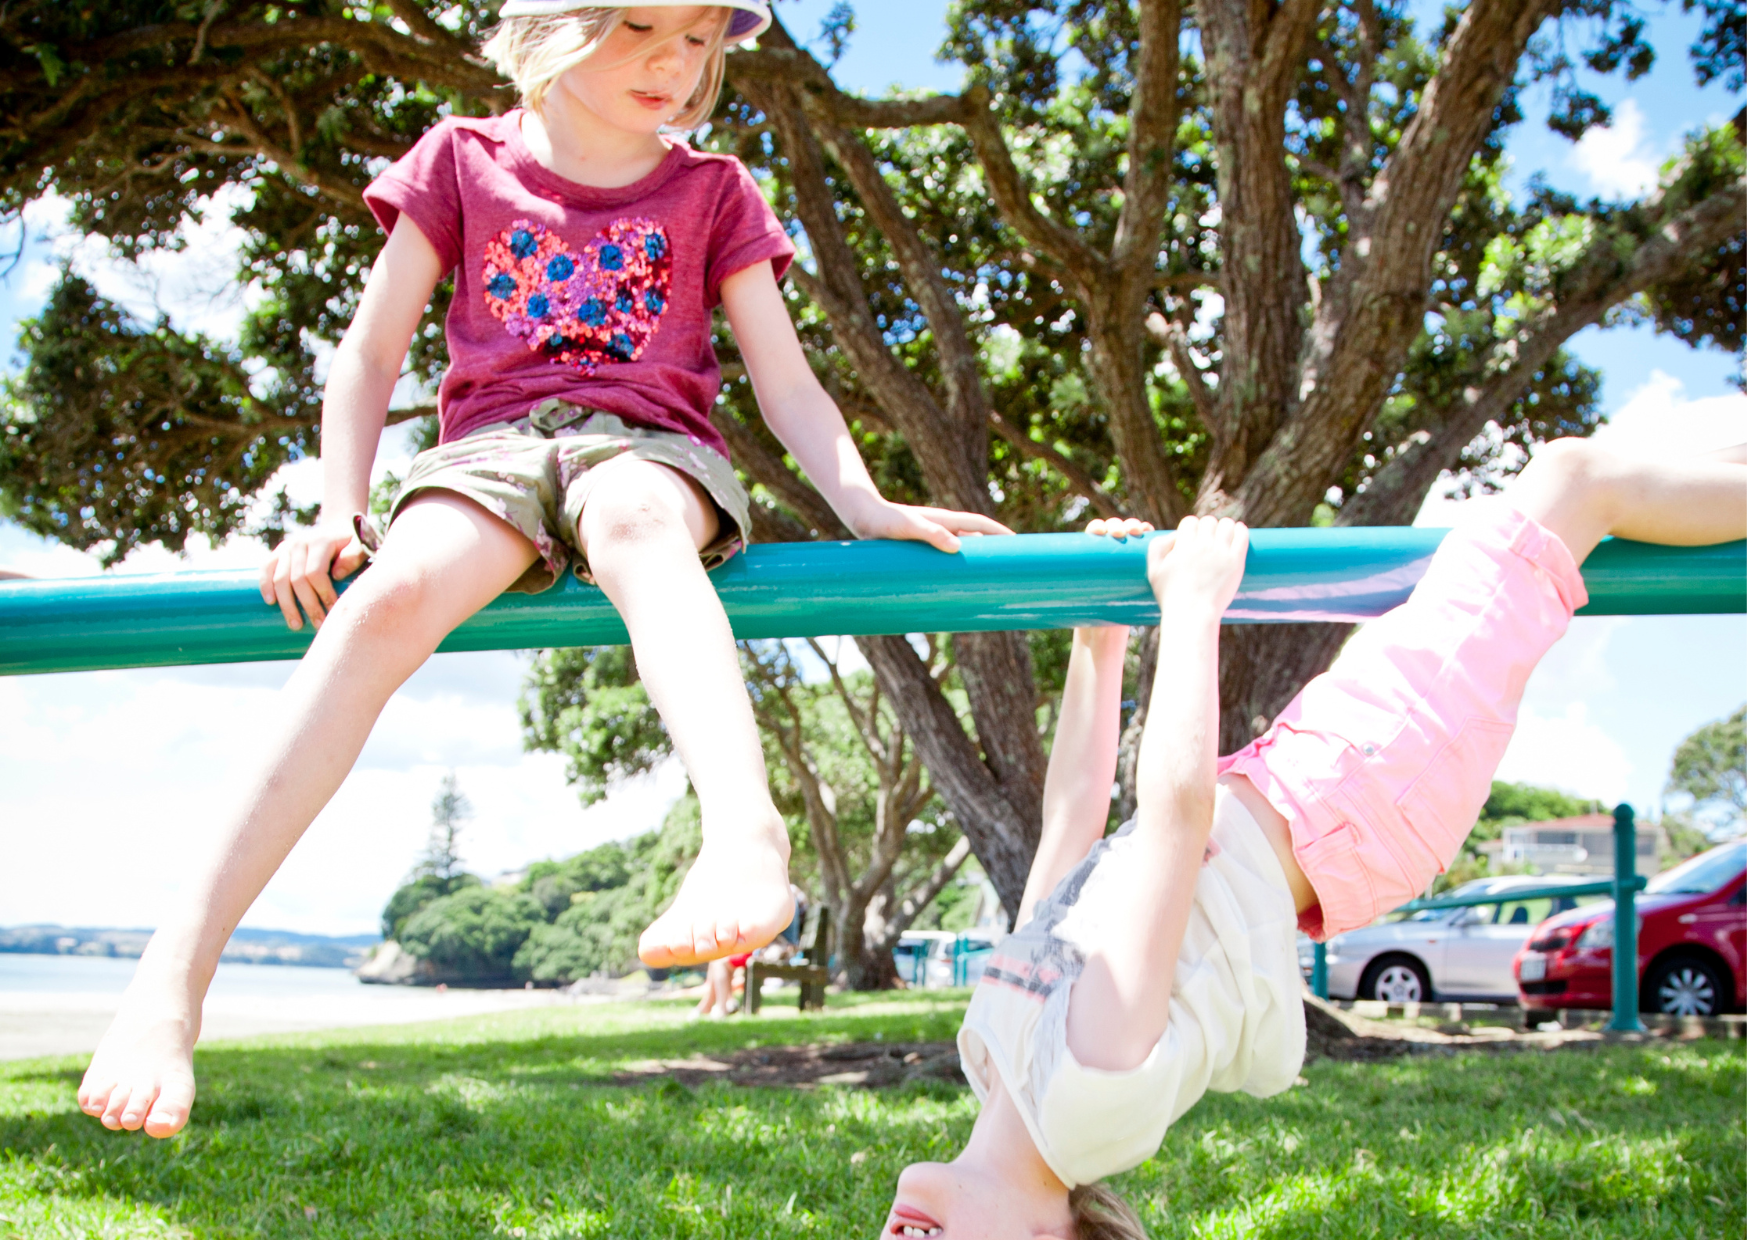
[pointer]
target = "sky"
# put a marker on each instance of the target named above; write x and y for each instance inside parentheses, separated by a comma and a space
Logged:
(106, 778)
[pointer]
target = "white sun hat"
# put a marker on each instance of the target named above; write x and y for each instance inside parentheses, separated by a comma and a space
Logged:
(751, 17)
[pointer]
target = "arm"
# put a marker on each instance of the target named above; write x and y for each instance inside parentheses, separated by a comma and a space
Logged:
(1120, 1004)
(808, 423)
(366, 367)
(1083, 760)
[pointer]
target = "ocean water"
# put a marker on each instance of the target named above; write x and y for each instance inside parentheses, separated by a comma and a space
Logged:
(60, 1005)
(105, 975)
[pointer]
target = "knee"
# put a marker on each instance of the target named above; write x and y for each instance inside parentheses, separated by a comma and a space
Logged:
(387, 604)
(1569, 464)
(630, 516)
(1572, 471)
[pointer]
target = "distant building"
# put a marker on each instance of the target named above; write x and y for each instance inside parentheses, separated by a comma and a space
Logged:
(1581, 845)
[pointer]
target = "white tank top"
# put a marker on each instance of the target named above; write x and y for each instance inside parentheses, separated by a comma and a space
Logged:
(1236, 1022)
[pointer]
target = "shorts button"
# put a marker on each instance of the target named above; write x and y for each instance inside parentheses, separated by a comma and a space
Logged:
(1368, 750)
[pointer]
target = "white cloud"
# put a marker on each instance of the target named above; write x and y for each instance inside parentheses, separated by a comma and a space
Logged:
(1569, 752)
(1658, 422)
(112, 782)
(1618, 159)
(194, 281)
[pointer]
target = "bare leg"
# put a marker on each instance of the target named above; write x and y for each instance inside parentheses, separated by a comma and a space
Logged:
(714, 1004)
(641, 529)
(444, 558)
(1583, 492)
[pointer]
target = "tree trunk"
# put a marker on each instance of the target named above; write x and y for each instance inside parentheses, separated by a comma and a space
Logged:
(1262, 667)
(868, 962)
(1003, 834)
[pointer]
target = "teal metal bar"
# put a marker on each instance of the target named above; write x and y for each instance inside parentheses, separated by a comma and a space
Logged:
(1606, 887)
(1320, 970)
(1035, 581)
(1626, 925)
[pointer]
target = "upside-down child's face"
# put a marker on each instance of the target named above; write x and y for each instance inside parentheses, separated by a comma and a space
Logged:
(956, 1201)
(647, 70)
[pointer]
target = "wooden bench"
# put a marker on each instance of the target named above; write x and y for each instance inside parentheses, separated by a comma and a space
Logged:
(809, 967)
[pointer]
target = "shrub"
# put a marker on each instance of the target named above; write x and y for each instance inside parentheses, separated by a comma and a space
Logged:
(475, 933)
(415, 895)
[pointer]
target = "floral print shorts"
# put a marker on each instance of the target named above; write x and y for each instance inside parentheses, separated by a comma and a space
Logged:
(534, 474)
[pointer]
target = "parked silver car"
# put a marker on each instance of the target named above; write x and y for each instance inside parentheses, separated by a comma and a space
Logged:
(1460, 953)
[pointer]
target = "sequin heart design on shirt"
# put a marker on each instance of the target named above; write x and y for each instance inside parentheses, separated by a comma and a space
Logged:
(583, 307)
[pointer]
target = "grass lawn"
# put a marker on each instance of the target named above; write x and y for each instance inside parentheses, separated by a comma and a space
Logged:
(506, 1125)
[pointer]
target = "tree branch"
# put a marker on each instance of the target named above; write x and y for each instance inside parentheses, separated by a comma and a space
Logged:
(1170, 337)
(1003, 835)
(1013, 197)
(919, 897)
(1372, 309)
(1600, 282)
(1254, 51)
(1101, 500)
(1152, 137)
(769, 470)
(953, 475)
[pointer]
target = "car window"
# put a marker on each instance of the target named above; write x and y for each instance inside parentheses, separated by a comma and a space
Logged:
(1527, 912)
(1705, 873)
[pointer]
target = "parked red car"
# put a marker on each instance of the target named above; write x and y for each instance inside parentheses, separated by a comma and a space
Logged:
(1692, 926)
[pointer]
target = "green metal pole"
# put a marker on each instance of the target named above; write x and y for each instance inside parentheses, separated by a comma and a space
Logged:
(1030, 581)
(1626, 925)
(1320, 970)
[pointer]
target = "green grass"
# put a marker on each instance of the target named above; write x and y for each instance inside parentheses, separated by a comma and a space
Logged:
(504, 1126)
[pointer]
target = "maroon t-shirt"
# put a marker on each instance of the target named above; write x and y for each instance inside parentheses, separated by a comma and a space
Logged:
(597, 296)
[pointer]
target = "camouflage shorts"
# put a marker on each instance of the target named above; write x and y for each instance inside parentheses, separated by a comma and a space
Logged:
(534, 474)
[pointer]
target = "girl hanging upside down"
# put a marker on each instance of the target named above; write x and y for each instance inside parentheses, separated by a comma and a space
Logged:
(1158, 964)
(588, 247)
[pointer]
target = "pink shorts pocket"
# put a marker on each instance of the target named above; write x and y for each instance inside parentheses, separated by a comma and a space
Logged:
(1336, 865)
(1440, 807)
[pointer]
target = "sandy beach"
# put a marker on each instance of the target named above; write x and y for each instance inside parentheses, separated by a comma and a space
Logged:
(60, 1005)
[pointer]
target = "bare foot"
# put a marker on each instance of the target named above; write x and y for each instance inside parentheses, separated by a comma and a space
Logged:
(735, 899)
(142, 1075)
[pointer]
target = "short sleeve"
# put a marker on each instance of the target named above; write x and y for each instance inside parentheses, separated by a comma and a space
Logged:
(423, 186)
(745, 231)
(1099, 1123)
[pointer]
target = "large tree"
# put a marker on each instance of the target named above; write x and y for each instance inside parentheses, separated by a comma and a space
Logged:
(1240, 256)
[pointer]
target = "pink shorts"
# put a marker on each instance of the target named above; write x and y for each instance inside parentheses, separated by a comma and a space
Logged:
(1381, 765)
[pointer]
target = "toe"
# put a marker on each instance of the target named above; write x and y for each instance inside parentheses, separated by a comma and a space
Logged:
(730, 936)
(654, 949)
(115, 1106)
(708, 942)
(94, 1094)
(139, 1104)
(170, 1111)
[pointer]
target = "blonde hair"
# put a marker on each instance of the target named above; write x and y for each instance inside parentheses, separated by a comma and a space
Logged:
(534, 52)
(1099, 1214)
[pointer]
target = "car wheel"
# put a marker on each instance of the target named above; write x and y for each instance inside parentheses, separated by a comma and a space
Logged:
(1682, 986)
(1396, 979)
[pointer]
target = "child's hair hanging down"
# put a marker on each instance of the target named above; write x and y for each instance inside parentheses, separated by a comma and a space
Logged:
(590, 248)
(1157, 964)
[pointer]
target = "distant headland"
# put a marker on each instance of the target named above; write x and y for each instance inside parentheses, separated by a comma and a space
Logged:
(247, 946)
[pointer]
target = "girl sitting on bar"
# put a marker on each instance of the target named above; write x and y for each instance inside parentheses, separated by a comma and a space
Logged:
(589, 247)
